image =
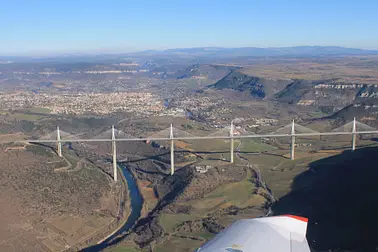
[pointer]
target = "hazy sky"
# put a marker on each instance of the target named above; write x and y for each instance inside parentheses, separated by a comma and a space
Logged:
(43, 27)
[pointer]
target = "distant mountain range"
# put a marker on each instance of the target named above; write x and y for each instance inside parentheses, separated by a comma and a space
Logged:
(209, 52)
(297, 51)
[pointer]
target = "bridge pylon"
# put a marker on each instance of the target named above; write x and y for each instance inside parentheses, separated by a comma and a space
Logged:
(354, 130)
(172, 150)
(232, 143)
(114, 151)
(292, 144)
(59, 141)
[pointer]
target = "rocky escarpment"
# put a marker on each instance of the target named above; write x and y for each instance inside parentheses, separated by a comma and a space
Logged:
(295, 91)
(329, 95)
(365, 111)
(256, 87)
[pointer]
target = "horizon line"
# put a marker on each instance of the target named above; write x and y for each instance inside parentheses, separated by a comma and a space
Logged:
(110, 51)
(102, 51)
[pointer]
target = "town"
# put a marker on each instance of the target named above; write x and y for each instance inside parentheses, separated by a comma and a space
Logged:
(85, 103)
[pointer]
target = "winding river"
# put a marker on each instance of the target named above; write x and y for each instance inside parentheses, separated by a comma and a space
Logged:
(136, 205)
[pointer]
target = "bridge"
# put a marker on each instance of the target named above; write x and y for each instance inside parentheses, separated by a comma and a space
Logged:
(172, 134)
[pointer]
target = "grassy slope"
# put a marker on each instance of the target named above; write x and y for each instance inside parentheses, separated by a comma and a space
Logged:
(177, 244)
(124, 249)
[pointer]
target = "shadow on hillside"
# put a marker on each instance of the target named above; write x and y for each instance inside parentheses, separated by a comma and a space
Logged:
(339, 195)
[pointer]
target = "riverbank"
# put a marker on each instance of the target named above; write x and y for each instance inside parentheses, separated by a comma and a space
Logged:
(122, 216)
(135, 206)
(123, 207)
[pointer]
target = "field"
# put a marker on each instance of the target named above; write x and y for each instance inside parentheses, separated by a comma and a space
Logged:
(170, 221)
(177, 244)
(21, 116)
(39, 110)
(253, 146)
(123, 249)
(239, 194)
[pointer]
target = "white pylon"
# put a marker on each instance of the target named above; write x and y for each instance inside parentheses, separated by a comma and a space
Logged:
(114, 150)
(354, 130)
(232, 142)
(292, 145)
(172, 151)
(59, 142)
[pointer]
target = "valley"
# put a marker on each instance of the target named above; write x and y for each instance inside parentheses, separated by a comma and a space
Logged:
(72, 204)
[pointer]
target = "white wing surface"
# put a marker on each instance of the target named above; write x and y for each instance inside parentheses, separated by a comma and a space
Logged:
(269, 234)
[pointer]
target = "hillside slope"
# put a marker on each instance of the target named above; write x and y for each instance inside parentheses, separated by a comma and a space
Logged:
(365, 111)
(50, 203)
(295, 91)
(339, 196)
(259, 88)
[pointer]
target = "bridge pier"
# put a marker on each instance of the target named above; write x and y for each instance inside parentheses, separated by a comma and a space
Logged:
(354, 130)
(292, 144)
(232, 143)
(172, 151)
(114, 150)
(59, 141)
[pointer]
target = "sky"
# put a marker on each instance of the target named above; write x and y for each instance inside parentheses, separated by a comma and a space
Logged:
(35, 27)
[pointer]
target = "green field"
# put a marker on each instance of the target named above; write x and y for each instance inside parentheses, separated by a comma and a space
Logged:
(30, 114)
(176, 244)
(210, 145)
(238, 194)
(124, 249)
(171, 221)
(23, 116)
(234, 193)
(39, 150)
(254, 146)
(39, 110)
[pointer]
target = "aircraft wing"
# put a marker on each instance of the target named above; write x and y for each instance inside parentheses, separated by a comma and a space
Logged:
(269, 234)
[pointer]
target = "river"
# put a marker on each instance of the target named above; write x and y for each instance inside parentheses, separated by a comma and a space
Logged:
(136, 205)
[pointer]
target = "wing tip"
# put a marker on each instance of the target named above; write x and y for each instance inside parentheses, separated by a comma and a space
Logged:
(304, 219)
